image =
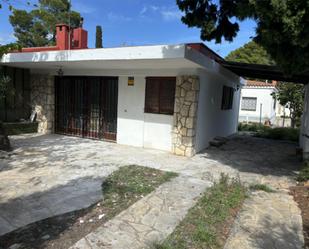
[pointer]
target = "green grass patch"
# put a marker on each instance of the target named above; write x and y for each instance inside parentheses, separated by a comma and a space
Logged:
(280, 133)
(129, 184)
(304, 173)
(290, 134)
(20, 128)
(261, 187)
(253, 127)
(120, 190)
(207, 224)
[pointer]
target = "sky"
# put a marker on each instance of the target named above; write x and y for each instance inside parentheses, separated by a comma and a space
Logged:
(134, 22)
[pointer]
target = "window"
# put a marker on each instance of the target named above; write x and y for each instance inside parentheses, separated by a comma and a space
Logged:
(248, 104)
(227, 98)
(160, 95)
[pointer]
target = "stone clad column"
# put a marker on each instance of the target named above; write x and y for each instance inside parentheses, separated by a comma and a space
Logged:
(185, 115)
(43, 101)
(304, 131)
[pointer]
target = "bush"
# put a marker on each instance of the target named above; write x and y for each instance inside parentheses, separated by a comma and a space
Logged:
(20, 128)
(290, 134)
(261, 187)
(253, 127)
(304, 173)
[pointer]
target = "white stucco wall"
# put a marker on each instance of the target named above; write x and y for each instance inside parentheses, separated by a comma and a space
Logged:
(211, 120)
(264, 97)
(136, 127)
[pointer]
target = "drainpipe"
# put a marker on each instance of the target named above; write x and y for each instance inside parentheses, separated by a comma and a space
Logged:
(261, 108)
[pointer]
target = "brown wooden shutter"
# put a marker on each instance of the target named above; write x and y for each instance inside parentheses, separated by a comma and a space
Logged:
(152, 95)
(167, 95)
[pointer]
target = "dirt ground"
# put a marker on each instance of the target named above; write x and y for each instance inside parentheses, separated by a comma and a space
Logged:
(301, 196)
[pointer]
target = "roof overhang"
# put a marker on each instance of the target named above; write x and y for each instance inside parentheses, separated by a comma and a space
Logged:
(105, 58)
(157, 57)
(263, 72)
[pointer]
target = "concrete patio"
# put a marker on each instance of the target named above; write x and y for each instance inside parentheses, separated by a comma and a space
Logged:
(47, 175)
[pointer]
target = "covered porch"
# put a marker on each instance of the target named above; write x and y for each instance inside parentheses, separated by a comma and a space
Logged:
(274, 73)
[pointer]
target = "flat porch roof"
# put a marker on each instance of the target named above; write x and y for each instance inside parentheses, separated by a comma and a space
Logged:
(109, 60)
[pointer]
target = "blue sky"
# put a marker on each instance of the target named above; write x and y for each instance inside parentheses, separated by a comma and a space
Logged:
(135, 22)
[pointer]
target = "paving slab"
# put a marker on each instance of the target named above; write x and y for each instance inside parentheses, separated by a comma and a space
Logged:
(47, 175)
(151, 219)
(268, 220)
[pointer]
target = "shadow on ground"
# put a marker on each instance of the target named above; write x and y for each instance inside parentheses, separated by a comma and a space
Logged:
(74, 195)
(275, 235)
(256, 155)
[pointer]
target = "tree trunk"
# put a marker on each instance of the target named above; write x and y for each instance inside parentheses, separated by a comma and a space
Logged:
(4, 139)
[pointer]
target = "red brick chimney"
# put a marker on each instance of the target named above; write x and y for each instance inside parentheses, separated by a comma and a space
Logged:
(78, 37)
(62, 36)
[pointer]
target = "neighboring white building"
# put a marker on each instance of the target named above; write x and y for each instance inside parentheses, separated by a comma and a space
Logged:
(174, 98)
(258, 105)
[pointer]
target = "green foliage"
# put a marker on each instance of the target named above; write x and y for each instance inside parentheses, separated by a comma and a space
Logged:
(250, 53)
(304, 173)
(20, 128)
(282, 28)
(290, 134)
(98, 37)
(129, 184)
(253, 127)
(7, 48)
(281, 133)
(9, 4)
(6, 88)
(261, 187)
(203, 225)
(292, 96)
(38, 26)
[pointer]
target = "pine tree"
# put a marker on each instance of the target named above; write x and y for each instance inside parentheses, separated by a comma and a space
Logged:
(98, 37)
(38, 26)
(282, 26)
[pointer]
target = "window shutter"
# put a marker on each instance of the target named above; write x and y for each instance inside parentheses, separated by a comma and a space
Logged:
(167, 96)
(152, 95)
(227, 98)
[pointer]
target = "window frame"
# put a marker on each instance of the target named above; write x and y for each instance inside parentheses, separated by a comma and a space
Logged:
(246, 109)
(160, 108)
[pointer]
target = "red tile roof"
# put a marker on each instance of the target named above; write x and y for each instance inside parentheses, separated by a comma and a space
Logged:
(261, 83)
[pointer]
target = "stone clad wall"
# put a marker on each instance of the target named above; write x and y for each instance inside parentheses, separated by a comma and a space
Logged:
(43, 101)
(185, 115)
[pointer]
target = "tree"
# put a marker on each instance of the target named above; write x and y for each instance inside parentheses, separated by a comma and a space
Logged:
(5, 80)
(250, 53)
(38, 26)
(289, 94)
(292, 96)
(282, 28)
(98, 37)
(5, 90)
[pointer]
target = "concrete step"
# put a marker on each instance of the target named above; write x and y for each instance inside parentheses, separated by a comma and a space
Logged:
(216, 143)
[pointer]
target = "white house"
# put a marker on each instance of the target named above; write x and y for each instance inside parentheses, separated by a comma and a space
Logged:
(258, 105)
(169, 97)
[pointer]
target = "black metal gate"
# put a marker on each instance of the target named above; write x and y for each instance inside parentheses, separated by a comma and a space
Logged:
(86, 106)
